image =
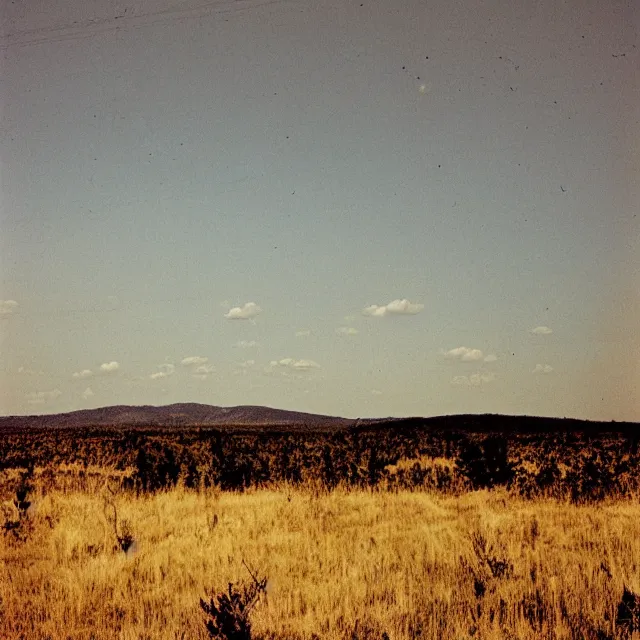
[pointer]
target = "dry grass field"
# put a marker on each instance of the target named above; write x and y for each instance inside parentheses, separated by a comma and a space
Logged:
(341, 565)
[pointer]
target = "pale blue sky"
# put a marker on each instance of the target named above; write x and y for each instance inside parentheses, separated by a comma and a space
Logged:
(163, 163)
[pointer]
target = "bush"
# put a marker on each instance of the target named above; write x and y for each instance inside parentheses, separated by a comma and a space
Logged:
(157, 468)
(21, 528)
(486, 465)
(628, 614)
(592, 479)
(228, 612)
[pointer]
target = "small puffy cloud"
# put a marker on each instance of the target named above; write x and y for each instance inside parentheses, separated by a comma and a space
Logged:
(40, 397)
(376, 392)
(109, 367)
(303, 333)
(85, 373)
(395, 307)
(404, 307)
(245, 367)
(542, 331)
(246, 311)
(246, 344)
(298, 365)
(194, 361)
(285, 362)
(7, 307)
(375, 311)
(87, 393)
(305, 365)
(165, 370)
(543, 368)
(490, 358)
(481, 378)
(465, 354)
(203, 371)
(346, 331)
(474, 380)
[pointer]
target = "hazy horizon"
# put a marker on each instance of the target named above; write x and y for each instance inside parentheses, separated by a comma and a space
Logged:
(359, 209)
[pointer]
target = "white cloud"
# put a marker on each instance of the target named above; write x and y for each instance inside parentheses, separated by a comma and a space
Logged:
(346, 331)
(87, 393)
(481, 378)
(303, 333)
(542, 331)
(376, 392)
(474, 380)
(374, 310)
(246, 344)
(245, 366)
(109, 367)
(298, 365)
(166, 370)
(194, 361)
(404, 306)
(85, 373)
(543, 368)
(203, 371)
(40, 397)
(7, 307)
(248, 310)
(465, 354)
(397, 307)
(305, 364)
(490, 358)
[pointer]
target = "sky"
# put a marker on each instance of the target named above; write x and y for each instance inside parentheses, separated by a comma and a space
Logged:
(357, 207)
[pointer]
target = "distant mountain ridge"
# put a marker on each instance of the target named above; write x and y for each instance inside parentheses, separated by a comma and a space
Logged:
(266, 419)
(181, 414)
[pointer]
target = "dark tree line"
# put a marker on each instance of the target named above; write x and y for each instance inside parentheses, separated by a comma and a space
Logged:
(565, 465)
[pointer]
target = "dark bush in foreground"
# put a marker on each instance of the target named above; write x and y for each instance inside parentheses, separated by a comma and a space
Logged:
(628, 614)
(228, 612)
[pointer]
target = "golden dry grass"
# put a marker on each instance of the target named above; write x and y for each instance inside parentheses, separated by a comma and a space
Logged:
(403, 563)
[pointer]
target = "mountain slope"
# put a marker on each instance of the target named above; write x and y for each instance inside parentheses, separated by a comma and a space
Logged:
(183, 414)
